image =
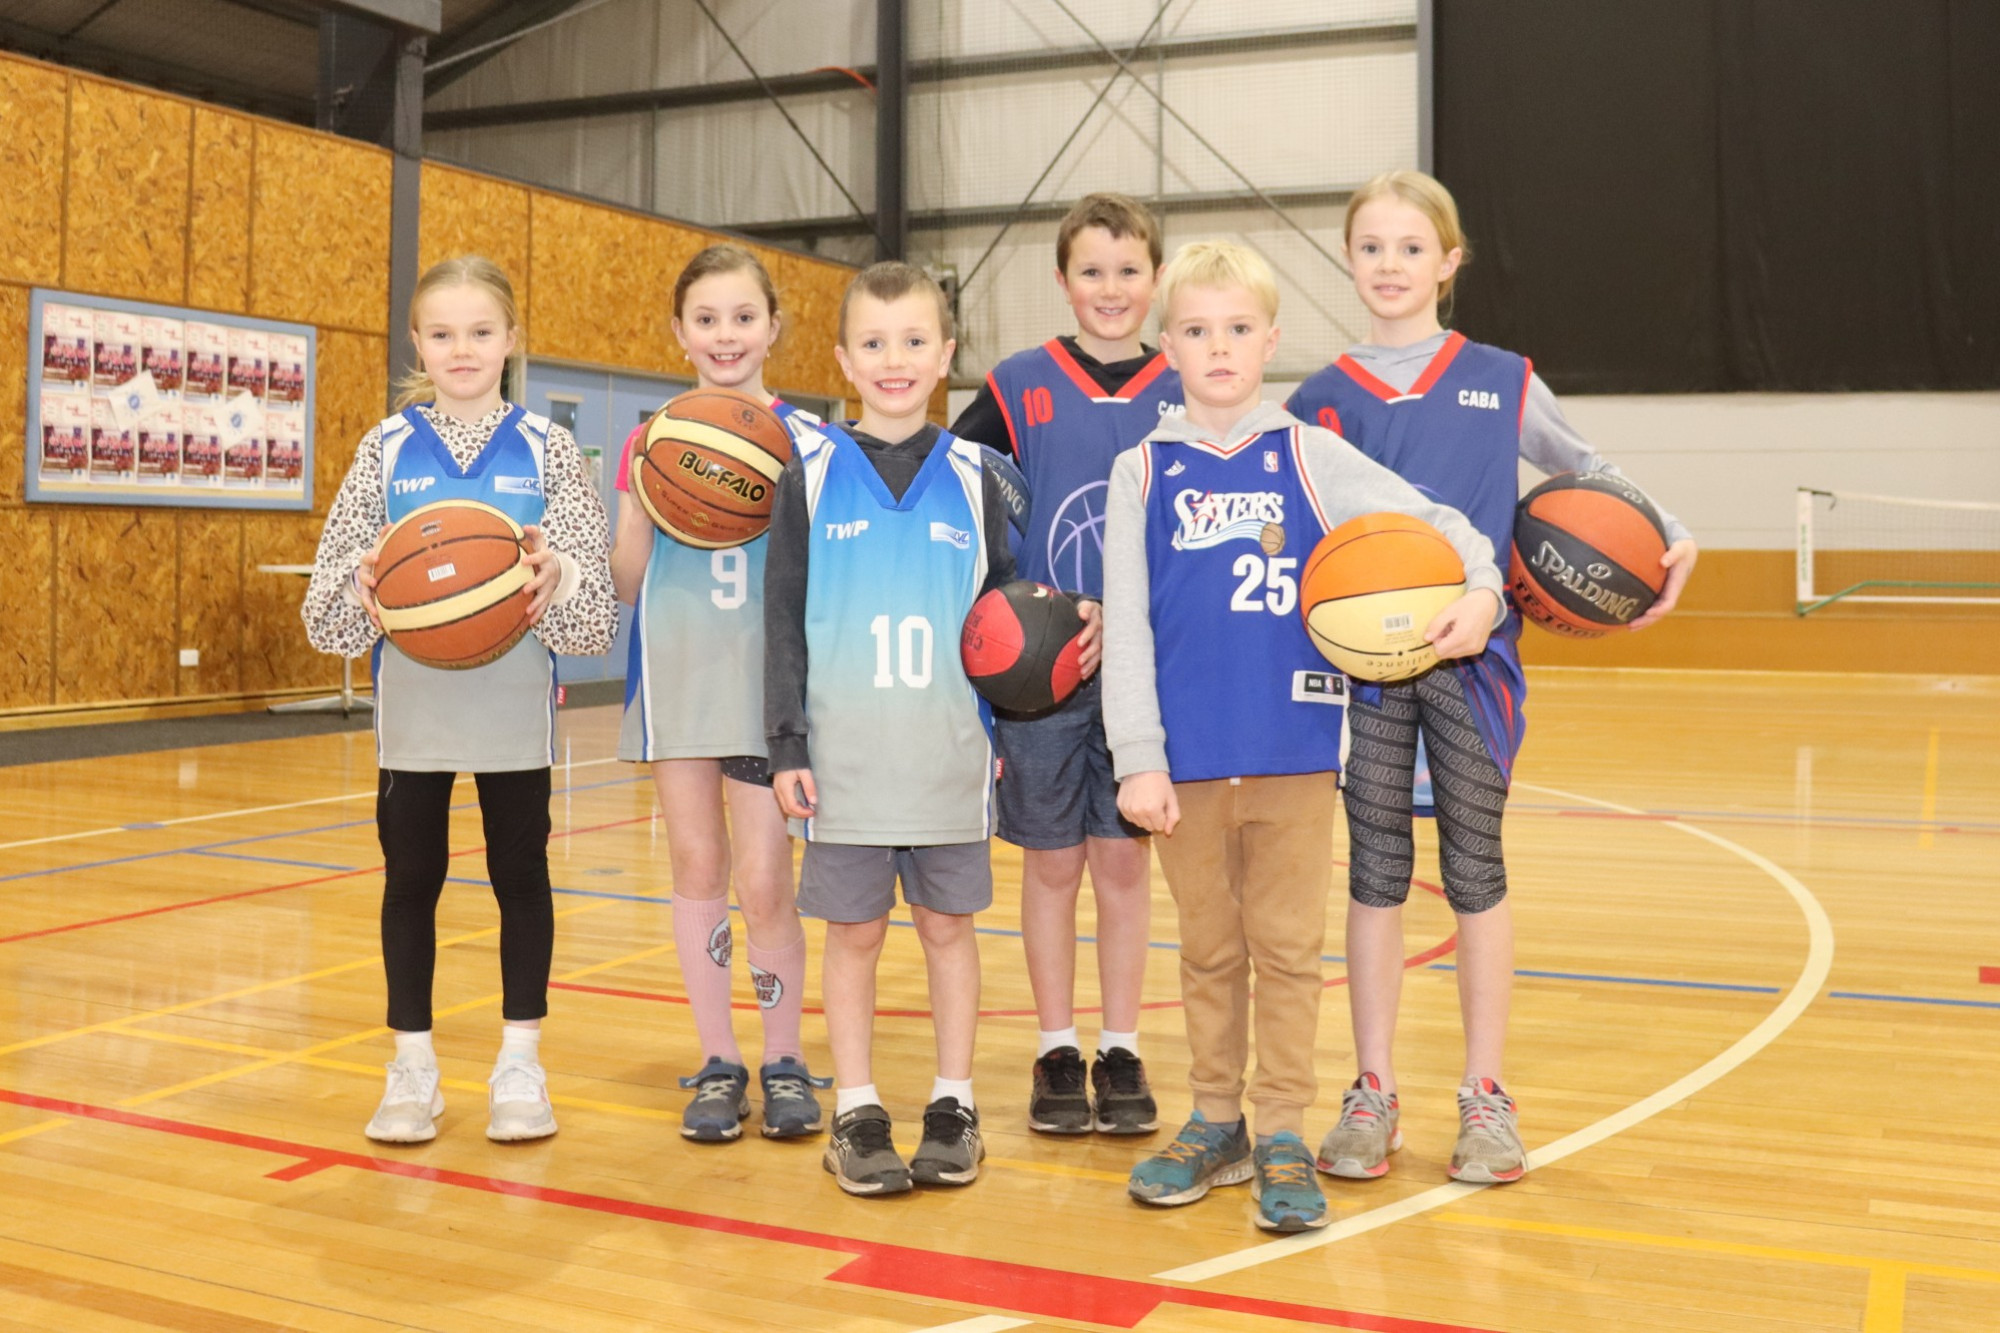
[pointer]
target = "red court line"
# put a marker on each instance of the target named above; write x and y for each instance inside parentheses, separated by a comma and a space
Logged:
(275, 888)
(1989, 976)
(1022, 1288)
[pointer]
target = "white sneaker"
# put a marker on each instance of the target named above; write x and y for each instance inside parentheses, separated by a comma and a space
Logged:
(410, 1105)
(517, 1102)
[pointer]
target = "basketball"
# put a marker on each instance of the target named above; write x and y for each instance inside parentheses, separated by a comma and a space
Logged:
(709, 467)
(1587, 554)
(1020, 647)
(448, 584)
(1371, 587)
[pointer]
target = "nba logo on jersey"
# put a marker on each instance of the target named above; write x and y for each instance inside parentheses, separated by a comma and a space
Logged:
(1270, 460)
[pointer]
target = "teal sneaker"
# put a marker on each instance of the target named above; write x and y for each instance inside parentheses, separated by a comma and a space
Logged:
(1287, 1194)
(1200, 1157)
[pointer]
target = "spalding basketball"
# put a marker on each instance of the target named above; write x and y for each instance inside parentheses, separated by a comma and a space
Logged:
(1020, 647)
(1370, 589)
(1587, 551)
(708, 469)
(448, 584)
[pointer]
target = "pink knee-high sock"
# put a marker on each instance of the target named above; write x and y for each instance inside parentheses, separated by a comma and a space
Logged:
(703, 941)
(780, 975)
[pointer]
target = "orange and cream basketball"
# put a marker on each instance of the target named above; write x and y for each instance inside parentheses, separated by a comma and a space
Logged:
(708, 470)
(449, 584)
(1370, 589)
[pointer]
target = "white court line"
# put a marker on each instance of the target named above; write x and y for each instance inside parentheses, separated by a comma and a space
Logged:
(228, 814)
(986, 1323)
(1819, 962)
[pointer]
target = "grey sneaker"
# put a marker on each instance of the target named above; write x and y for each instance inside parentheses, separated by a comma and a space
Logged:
(862, 1157)
(721, 1100)
(1358, 1147)
(790, 1109)
(517, 1103)
(410, 1105)
(1057, 1102)
(1201, 1157)
(952, 1150)
(1285, 1188)
(1489, 1150)
(1125, 1102)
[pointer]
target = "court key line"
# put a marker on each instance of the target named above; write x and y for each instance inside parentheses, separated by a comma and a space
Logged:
(227, 814)
(1812, 976)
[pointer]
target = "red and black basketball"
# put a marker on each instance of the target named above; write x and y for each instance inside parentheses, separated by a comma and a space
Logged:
(449, 584)
(1587, 551)
(708, 469)
(1020, 647)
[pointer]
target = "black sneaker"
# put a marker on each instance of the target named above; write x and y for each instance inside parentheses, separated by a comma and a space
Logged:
(1058, 1104)
(862, 1157)
(952, 1149)
(1124, 1099)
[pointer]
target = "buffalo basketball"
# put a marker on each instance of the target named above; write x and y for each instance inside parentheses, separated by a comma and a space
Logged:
(449, 584)
(709, 467)
(1020, 647)
(1370, 589)
(1587, 551)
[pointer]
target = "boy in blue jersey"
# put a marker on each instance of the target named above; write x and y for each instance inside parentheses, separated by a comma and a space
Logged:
(882, 535)
(1225, 723)
(1065, 410)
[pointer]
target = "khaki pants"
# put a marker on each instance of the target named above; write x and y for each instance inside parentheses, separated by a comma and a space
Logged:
(1250, 866)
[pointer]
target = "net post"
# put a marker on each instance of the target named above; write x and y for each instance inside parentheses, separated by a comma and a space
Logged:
(1804, 589)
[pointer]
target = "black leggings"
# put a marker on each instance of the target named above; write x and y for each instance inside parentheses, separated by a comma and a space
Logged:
(413, 817)
(1469, 791)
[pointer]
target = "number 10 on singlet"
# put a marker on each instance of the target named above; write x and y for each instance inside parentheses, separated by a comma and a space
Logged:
(913, 650)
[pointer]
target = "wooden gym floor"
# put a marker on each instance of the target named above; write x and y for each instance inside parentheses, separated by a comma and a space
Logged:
(1754, 1044)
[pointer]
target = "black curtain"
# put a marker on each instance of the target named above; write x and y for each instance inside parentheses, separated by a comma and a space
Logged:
(1701, 195)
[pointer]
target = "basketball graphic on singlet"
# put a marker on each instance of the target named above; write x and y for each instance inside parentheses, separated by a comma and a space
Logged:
(1076, 536)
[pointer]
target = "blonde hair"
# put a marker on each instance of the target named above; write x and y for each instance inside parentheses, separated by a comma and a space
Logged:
(464, 271)
(892, 280)
(1428, 196)
(725, 258)
(1219, 264)
(1119, 214)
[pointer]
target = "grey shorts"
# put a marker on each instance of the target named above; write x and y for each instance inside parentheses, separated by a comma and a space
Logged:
(847, 883)
(1056, 786)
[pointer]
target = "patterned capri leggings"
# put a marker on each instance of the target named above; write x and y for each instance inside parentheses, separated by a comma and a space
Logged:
(1470, 794)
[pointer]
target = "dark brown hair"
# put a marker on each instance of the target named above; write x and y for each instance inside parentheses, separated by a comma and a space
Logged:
(892, 280)
(1119, 214)
(724, 258)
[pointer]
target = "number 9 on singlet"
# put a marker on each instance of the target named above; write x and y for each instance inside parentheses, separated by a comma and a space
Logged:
(732, 578)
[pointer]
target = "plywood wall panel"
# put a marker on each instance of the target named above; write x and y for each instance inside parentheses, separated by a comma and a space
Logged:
(319, 232)
(276, 655)
(114, 594)
(33, 114)
(810, 292)
(600, 285)
(210, 601)
(467, 214)
(218, 271)
(13, 396)
(27, 675)
(128, 192)
(352, 395)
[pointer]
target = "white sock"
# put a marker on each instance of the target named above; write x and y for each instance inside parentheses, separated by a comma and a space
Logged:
(519, 1043)
(414, 1048)
(960, 1088)
(851, 1099)
(1051, 1040)
(1123, 1041)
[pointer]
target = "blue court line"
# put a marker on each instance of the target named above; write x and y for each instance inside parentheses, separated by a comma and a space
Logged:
(273, 860)
(206, 847)
(1913, 999)
(1626, 981)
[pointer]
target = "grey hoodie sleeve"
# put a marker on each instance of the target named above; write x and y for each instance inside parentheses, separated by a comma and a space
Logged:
(1351, 484)
(1552, 445)
(1132, 726)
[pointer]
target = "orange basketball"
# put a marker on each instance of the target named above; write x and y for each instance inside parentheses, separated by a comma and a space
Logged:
(709, 467)
(1370, 589)
(1586, 554)
(448, 584)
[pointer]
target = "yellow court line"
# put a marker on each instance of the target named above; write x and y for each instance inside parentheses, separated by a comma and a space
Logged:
(29, 1131)
(1887, 1289)
(1057, 1169)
